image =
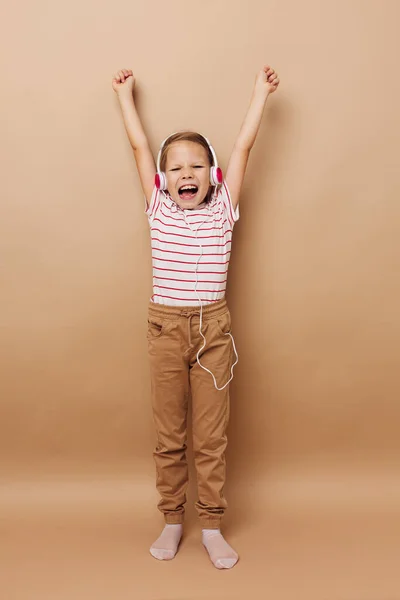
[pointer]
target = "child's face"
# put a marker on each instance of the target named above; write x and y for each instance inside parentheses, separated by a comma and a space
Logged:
(187, 164)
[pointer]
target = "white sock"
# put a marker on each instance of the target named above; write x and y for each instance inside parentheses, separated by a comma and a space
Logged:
(166, 546)
(220, 552)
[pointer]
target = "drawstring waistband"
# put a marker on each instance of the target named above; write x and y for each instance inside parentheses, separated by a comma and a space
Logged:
(173, 313)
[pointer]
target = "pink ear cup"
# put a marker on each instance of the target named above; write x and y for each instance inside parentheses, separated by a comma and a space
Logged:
(160, 181)
(216, 176)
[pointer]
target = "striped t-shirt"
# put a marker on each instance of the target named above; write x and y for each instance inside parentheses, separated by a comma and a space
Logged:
(176, 251)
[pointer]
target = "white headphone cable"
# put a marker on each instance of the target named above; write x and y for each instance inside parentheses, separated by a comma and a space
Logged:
(201, 312)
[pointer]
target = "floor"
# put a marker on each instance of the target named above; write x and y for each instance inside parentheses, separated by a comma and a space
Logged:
(75, 538)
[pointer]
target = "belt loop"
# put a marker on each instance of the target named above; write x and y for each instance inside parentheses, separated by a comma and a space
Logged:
(190, 334)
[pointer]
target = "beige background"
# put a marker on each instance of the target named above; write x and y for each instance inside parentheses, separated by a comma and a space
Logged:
(314, 294)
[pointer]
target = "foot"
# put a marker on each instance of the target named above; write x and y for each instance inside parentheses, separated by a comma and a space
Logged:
(166, 546)
(221, 554)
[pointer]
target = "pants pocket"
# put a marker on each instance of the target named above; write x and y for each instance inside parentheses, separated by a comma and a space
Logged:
(224, 323)
(155, 327)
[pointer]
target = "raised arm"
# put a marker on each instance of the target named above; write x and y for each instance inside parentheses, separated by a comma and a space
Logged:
(267, 82)
(123, 83)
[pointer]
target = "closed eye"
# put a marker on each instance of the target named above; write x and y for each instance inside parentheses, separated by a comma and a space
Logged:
(195, 166)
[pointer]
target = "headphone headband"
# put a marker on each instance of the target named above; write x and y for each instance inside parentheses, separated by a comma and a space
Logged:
(167, 138)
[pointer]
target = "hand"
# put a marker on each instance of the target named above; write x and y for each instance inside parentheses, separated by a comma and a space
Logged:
(123, 81)
(267, 80)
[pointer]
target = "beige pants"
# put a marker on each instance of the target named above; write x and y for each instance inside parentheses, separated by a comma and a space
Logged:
(173, 342)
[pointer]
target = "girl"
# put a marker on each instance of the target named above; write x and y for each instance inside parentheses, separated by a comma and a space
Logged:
(191, 210)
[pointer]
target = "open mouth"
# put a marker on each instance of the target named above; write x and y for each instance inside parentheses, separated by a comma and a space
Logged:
(187, 192)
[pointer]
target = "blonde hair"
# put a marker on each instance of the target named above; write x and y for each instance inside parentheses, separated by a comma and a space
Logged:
(187, 136)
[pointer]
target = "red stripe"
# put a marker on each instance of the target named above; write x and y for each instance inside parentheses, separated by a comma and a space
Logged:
(191, 272)
(194, 210)
(164, 287)
(189, 245)
(191, 253)
(203, 237)
(182, 219)
(185, 262)
(186, 299)
(190, 280)
(181, 227)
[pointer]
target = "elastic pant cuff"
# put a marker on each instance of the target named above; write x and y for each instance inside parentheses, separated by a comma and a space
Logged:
(173, 519)
(210, 523)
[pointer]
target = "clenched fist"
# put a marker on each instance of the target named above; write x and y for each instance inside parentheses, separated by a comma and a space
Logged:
(267, 80)
(123, 81)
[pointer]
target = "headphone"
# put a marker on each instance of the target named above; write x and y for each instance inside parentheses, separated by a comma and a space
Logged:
(216, 177)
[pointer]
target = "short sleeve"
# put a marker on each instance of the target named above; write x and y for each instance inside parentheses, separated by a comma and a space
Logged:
(225, 197)
(154, 205)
